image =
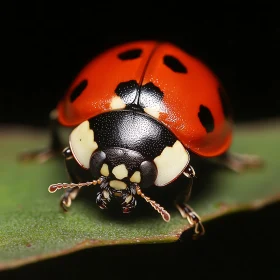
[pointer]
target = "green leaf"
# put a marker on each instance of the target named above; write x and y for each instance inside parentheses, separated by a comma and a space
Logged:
(33, 228)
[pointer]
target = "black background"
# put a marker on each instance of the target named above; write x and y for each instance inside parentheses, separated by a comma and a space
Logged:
(44, 47)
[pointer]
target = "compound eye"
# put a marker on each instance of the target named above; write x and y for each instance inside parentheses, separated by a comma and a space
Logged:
(149, 173)
(97, 165)
(82, 144)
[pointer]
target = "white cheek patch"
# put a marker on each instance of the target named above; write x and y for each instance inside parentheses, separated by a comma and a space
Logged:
(120, 171)
(171, 163)
(153, 111)
(117, 103)
(82, 143)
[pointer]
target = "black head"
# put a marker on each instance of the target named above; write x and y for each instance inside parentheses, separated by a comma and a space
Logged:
(122, 170)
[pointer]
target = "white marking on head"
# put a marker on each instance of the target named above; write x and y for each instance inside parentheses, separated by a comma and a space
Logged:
(120, 171)
(105, 170)
(82, 143)
(171, 163)
(117, 103)
(153, 111)
(117, 185)
(136, 177)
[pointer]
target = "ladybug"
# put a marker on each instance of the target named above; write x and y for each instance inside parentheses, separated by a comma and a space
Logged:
(138, 111)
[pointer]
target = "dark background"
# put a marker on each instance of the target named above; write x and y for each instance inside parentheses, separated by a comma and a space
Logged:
(44, 47)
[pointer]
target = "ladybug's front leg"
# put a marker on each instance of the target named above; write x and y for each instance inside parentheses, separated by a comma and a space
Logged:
(185, 210)
(188, 213)
(55, 146)
(76, 174)
(67, 197)
(239, 162)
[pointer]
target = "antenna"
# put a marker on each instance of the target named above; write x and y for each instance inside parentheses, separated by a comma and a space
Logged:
(54, 187)
(164, 214)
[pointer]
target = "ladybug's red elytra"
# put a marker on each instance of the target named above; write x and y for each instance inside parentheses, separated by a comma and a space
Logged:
(137, 110)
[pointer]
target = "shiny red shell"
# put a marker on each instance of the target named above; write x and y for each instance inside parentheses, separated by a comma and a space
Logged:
(184, 93)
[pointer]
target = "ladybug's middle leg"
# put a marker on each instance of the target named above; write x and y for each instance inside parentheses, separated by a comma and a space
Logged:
(55, 147)
(239, 162)
(185, 210)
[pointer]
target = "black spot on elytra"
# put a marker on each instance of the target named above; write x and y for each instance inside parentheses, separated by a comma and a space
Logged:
(150, 96)
(206, 118)
(127, 91)
(137, 98)
(225, 102)
(78, 90)
(130, 54)
(174, 64)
